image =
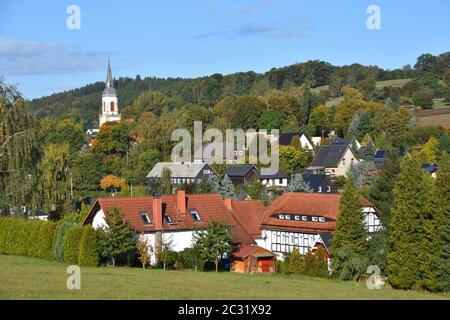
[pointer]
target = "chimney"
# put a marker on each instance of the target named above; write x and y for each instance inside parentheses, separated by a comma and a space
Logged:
(228, 203)
(181, 201)
(157, 213)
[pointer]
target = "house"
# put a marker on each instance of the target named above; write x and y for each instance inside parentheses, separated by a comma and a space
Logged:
(182, 172)
(381, 155)
(253, 259)
(210, 153)
(305, 219)
(277, 180)
(343, 142)
(430, 168)
(285, 139)
(319, 183)
(333, 160)
(39, 215)
(249, 214)
(316, 141)
(241, 174)
(173, 218)
(92, 131)
(379, 158)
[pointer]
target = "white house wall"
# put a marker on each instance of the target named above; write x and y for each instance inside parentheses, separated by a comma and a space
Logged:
(99, 220)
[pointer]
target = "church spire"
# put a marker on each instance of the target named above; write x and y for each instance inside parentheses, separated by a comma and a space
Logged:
(109, 83)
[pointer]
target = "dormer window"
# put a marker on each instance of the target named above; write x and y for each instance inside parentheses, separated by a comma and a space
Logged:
(287, 217)
(315, 219)
(169, 219)
(304, 218)
(297, 218)
(343, 160)
(195, 215)
(321, 219)
(319, 189)
(281, 216)
(144, 217)
(329, 189)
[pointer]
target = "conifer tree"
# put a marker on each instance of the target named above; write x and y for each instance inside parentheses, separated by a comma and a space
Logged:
(227, 187)
(350, 230)
(380, 192)
(214, 183)
(408, 215)
(298, 184)
(117, 239)
(350, 235)
(442, 200)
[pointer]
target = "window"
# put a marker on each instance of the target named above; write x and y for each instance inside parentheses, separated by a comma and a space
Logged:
(169, 219)
(315, 219)
(195, 215)
(321, 219)
(281, 216)
(319, 189)
(145, 218)
(304, 218)
(297, 218)
(206, 171)
(329, 189)
(112, 106)
(287, 217)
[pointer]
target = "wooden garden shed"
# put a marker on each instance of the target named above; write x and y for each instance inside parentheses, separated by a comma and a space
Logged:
(253, 259)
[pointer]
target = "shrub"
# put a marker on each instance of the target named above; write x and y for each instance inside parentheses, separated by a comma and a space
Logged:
(32, 238)
(59, 241)
(71, 246)
(350, 265)
(88, 256)
(190, 258)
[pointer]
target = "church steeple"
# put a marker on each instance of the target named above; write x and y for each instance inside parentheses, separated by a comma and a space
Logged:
(110, 103)
(109, 83)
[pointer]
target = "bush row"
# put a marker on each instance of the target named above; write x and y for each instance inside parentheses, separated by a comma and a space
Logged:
(31, 238)
(66, 242)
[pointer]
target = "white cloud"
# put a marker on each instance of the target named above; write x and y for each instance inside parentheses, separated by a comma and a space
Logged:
(32, 58)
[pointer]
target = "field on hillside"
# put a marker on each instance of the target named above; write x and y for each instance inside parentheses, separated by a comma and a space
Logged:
(435, 117)
(28, 278)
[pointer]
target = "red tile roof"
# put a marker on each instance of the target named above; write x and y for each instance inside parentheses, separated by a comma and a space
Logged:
(210, 207)
(307, 204)
(249, 213)
(245, 251)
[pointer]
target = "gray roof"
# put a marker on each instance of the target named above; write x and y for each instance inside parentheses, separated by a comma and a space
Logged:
(313, 180)
(178, 169)
(329, 156)
(280, 174)
(239, 171)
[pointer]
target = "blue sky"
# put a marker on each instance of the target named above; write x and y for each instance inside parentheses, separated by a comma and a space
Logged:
(194, 38)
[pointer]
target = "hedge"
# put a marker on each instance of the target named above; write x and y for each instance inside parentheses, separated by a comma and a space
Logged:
(34, 238)
(71, 247)
(59, 242)
(88, 255)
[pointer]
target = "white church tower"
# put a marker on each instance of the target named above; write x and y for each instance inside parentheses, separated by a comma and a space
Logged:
(110, 106)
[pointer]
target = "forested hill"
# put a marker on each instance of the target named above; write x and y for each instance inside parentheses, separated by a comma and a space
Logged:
(207, 91)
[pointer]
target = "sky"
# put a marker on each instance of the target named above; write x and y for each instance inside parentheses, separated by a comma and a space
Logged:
(170, 38)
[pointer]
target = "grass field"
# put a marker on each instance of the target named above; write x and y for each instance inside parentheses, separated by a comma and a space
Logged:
(28, 278)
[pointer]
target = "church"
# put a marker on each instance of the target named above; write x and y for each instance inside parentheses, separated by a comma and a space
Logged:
(110, 106)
